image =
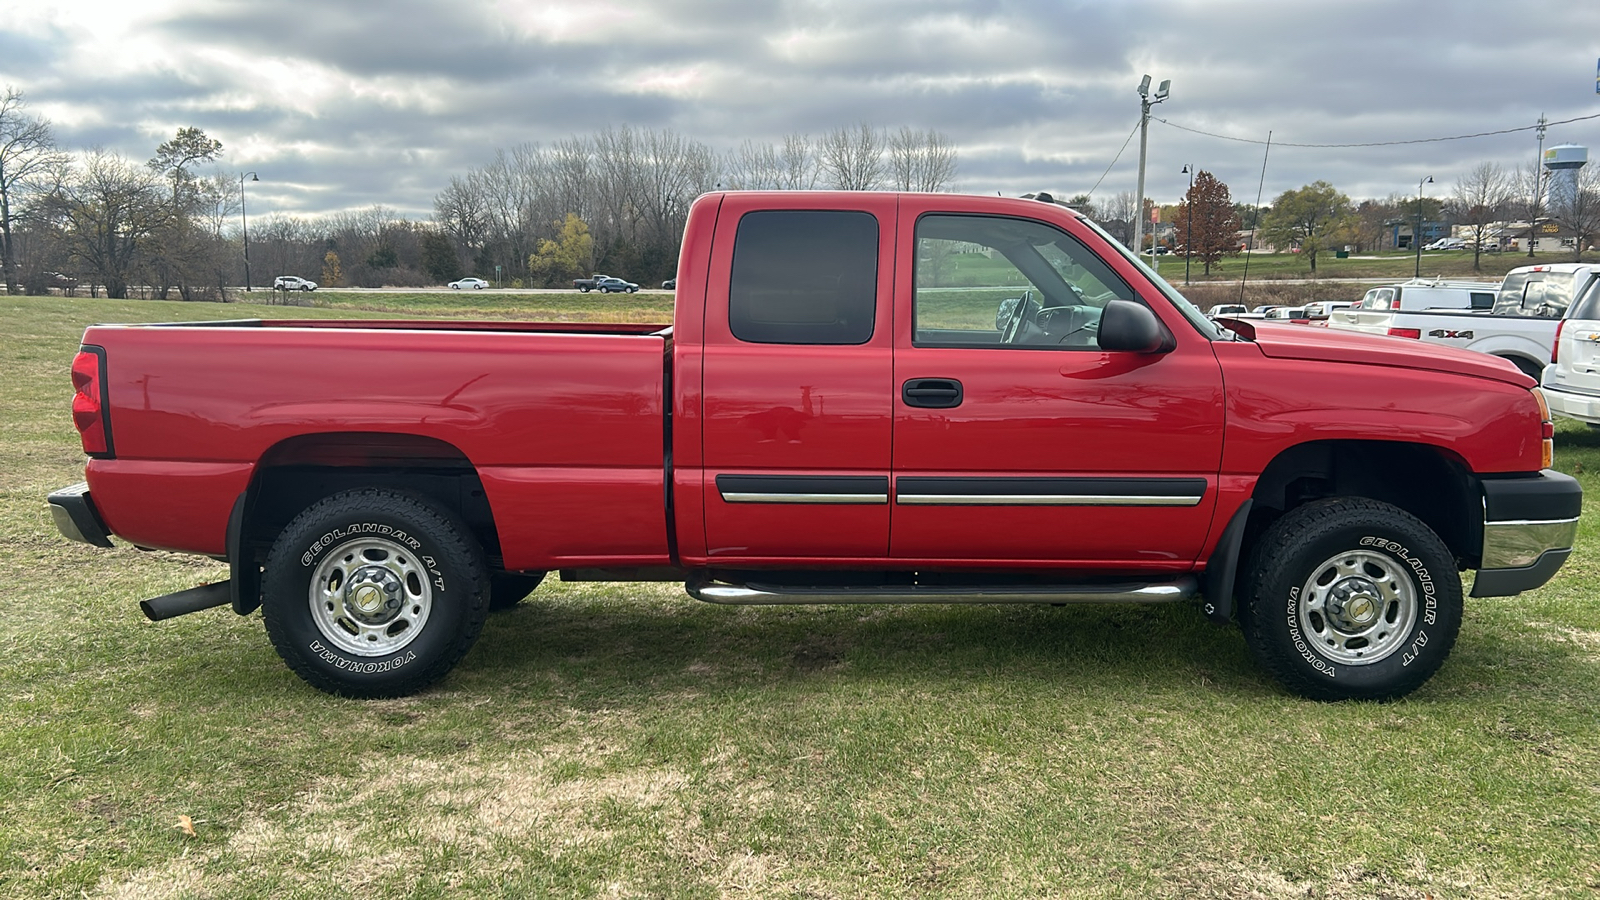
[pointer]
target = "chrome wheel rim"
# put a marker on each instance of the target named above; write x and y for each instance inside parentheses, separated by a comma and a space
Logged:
(370, 597)
(1357, 608)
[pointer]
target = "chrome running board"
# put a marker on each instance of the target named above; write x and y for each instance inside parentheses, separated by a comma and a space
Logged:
(1186, 587)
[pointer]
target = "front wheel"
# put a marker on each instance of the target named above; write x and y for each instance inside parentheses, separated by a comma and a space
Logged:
(374, 593)
(1352, 598)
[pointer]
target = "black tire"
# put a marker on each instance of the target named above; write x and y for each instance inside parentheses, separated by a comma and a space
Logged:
(1351, 598)
(507, 589)
(374, 593)
(583, 288)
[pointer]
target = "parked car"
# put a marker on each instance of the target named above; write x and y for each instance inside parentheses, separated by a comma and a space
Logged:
(293, 283)
(469, 284)
(670, 284)
(819, 427)
(1296, 313)
(1446, 244)
(1227, 309)
(588, 284)
(615, 286)
(1572, 379)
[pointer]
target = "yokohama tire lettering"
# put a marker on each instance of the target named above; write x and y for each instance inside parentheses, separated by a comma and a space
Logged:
(1299, 641)
(356, 666)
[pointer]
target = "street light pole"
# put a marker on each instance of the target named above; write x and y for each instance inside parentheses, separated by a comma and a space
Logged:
(1145, 102)
(1416, 236)
(1188, 207)
(244, 223)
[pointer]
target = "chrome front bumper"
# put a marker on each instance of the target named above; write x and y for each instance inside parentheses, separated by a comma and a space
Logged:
(1529, 526)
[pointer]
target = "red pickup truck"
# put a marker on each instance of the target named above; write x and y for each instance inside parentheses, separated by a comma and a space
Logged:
(863, 397)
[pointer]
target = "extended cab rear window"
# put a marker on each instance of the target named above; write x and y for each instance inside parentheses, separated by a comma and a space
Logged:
(804, 277)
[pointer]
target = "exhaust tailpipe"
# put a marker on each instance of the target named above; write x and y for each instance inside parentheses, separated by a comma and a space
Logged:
(184, 602)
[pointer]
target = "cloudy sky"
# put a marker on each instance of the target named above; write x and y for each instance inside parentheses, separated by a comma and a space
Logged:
(341, 105)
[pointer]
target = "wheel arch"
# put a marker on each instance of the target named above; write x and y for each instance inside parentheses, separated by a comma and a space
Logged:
(1429, 482)
(301, 470)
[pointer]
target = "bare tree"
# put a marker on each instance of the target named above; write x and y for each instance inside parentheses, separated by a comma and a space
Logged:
(754, 167)
(1480, 199)
(852, 158)
(798, 164)
(757, 166)
(1117, 215)
(109, 208)
(27, 152)
(461, 210)
(921, 160)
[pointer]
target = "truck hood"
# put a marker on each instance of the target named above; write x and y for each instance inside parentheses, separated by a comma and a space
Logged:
(1288, 341)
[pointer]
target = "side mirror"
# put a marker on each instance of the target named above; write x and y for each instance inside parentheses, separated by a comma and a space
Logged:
(1132, 327)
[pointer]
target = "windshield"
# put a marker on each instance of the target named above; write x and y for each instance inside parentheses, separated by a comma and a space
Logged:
(1198, 319)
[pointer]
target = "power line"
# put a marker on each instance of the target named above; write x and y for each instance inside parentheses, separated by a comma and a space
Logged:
(1113, 160)
(1457, 137)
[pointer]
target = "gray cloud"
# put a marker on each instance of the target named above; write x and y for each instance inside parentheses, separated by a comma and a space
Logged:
(341, 105)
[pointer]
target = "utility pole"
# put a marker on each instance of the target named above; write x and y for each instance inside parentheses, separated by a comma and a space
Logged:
(1538, 192)
(1145, 102)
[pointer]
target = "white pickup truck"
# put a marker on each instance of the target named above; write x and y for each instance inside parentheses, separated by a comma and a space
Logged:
(1516, 322)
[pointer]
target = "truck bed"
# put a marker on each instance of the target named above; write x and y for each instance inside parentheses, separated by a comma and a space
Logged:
(556, 418)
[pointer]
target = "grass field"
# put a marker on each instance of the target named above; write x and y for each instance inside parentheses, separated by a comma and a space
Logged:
(625, 741)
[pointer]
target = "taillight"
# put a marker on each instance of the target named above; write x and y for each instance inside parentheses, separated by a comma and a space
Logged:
(1555, 345)
(1415, 333)
(89, 413)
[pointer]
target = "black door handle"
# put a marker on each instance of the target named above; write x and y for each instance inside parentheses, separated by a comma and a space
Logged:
(932, 393)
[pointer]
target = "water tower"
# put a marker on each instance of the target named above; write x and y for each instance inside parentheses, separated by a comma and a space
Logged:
(1563, 163)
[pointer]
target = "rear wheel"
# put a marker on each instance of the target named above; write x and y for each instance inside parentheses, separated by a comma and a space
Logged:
(1352, 599)
(374, 593)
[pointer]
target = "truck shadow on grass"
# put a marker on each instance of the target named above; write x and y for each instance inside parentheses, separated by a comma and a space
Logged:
(624, 649)
(665, 645)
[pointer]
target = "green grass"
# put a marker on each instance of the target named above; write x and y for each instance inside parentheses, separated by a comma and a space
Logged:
(625, 741)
